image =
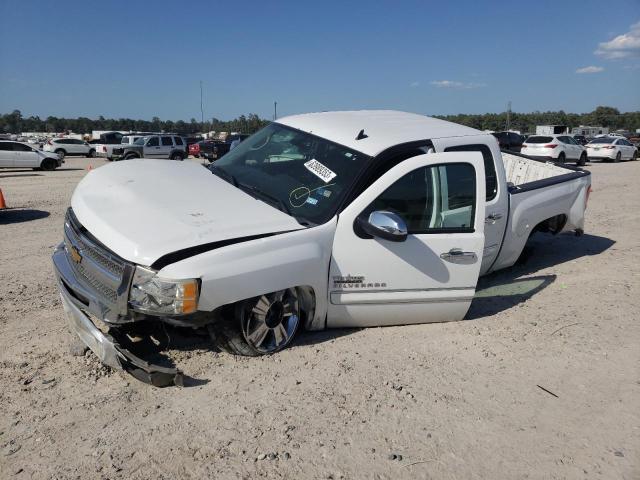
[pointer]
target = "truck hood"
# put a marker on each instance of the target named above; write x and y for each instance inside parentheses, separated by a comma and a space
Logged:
(145, 209)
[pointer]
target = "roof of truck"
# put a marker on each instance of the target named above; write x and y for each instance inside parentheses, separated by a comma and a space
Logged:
(384, 128)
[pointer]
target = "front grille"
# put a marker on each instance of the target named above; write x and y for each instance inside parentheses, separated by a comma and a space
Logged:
(103, 274)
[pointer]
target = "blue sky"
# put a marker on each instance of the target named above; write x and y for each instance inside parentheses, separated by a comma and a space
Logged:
(143, 59)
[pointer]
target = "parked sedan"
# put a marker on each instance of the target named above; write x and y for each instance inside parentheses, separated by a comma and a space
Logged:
(611, 148)
(560, 148)
(22, 155)
(70, 146)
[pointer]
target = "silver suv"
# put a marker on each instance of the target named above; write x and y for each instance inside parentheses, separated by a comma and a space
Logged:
(173, 147)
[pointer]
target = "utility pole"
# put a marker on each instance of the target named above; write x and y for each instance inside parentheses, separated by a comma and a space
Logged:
(201, 109)
(509, 115)
(275, 110)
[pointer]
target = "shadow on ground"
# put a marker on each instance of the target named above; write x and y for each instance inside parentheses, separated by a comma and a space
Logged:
(10, 215)
(507, 288)
(22, 175)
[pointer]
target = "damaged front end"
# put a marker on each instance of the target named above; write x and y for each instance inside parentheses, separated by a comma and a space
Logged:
(95, 286)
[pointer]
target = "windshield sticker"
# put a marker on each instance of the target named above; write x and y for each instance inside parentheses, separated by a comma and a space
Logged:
(320, 171)
(299, 195)
(312, 201)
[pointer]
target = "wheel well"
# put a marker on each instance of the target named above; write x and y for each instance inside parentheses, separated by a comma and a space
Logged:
(552, 225)
(308, 304)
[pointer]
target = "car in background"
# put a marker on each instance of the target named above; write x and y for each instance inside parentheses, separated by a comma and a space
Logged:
(172, 147)
(581, 139)
(511, 141)
(220, 148)
(194, 150)
(22, 155)
(560, 148)
(70, 146)
(611, 148)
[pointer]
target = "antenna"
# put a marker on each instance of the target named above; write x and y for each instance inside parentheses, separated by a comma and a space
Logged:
(275, 110)
(509, 115)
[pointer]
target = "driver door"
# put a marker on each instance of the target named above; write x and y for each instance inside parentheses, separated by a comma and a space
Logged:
(430, 274)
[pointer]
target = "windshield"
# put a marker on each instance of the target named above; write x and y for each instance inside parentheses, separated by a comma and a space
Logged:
(303, 175)
(602, 140)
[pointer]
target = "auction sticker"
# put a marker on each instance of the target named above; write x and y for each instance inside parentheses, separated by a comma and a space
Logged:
(320, 171)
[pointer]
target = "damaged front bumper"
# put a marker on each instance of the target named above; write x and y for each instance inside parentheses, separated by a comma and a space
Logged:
(103, 344)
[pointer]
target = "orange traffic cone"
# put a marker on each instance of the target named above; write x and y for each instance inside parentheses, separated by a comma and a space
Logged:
(3, 204)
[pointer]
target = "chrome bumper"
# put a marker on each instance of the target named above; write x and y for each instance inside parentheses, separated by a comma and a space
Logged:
(106, 348)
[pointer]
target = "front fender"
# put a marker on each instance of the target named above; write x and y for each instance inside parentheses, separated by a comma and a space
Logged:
(248, 269)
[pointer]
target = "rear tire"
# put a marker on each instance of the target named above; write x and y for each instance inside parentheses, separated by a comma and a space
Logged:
(635, 156)
(618, 157)
(61, 153)
(92, 153)
(259, 326)
(583, 160)
(562, 158)
(176, 156)
(48, 164)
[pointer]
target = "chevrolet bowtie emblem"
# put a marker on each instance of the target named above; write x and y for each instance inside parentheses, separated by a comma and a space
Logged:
(75, 255)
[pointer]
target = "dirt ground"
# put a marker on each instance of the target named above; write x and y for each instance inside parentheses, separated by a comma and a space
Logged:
(541, 381)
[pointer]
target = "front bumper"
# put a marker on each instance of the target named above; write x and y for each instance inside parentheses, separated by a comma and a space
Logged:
(103, 344)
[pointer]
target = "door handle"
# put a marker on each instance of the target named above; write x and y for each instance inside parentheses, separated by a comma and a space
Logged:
(493, 217)
(456, 255)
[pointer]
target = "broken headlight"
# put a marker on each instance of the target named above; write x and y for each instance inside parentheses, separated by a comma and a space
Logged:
(155, 295)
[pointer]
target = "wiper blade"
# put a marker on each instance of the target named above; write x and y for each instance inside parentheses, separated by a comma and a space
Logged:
(223, 174)
(266, 196)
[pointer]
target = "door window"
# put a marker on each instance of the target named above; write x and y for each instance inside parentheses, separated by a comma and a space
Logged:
(178, 140)
(153, 142)
(19, 147)
(434, 199)
(6, 146)
(167, 142)
(491, 178)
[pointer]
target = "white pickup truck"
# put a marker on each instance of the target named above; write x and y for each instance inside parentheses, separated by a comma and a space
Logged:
(335, 219)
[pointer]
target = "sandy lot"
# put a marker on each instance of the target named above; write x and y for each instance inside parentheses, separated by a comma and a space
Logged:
(455, 401)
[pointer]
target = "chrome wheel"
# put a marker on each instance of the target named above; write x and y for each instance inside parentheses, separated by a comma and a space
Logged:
(270, 321)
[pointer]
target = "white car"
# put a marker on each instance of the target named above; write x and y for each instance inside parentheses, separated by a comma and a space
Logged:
(69, 146)
(611, 148)
(22, 155)
(333, 219)
(560, 148)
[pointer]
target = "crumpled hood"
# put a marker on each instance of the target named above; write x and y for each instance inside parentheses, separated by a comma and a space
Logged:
(145, 209)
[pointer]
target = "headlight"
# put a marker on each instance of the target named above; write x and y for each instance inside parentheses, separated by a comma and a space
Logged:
(152, 294)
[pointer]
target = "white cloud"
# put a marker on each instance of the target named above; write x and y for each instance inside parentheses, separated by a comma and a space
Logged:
(455, 84)
(622, 46)
(590, 69)
(414, 84)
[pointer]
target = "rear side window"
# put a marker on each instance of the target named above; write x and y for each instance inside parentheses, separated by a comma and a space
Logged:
(178, 140)
(166, 141)
(489, 166)
(537, 139)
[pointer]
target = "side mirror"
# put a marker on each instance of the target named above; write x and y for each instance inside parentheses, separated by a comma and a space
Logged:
(386, 225)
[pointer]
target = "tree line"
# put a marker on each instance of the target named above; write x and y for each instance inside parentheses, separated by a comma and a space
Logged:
(610, 117)
(15, 122)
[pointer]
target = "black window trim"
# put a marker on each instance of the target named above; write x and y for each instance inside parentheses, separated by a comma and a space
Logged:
(493, 160)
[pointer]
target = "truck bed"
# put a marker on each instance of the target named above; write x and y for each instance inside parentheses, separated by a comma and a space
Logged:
(520, 169)
(538, 192)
